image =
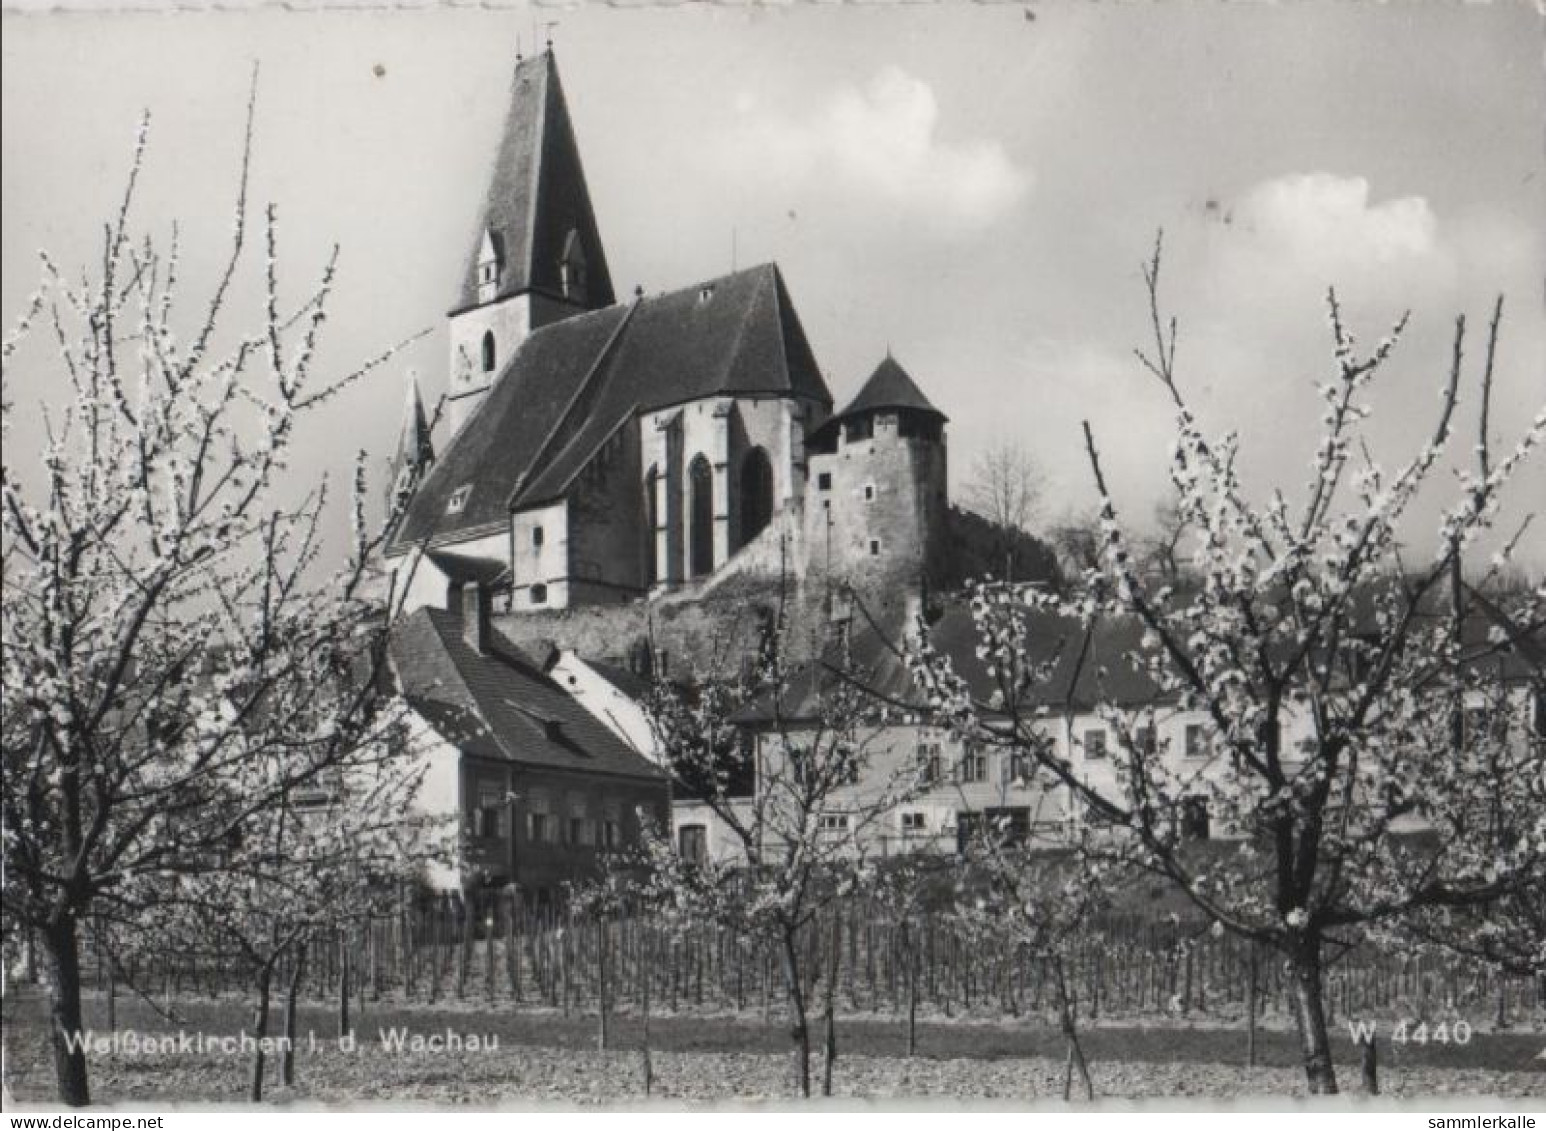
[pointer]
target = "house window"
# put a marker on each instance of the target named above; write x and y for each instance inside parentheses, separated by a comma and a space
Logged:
(541, 828)
(488, 351)
(536, 537)
(1094, 745)
(693, 843)
(914, 822)
(580, 831)
(611, 832)
(1196, 741)
(824, 481)
(1194, 818)
(1144, 741)
(869, 492)
(974, 766)
(539, 594)
(458, 499)
(874, 547)
(834, 822)
(929, 762)
(488, 819)
(1017, 768)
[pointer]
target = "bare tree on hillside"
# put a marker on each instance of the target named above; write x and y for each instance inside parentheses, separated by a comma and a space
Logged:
(1006, 488)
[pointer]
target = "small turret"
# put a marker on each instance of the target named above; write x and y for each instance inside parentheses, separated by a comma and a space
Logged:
(415, 450)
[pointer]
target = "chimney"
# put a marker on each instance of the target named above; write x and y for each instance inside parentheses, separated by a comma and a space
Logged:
(476, 600)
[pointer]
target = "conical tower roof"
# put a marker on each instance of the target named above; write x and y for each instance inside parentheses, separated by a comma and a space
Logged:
(889, 387)
(537, 197)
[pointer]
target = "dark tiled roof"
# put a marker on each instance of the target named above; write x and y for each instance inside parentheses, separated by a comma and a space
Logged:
(537, 195)
(890, 387)
(874, 662)
(499, 705)
(572, 384)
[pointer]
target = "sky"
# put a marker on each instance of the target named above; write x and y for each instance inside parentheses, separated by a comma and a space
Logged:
(971, 186)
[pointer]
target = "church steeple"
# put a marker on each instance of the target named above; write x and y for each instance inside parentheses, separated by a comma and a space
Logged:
(536, 254)
(537, 231)
(415, 448)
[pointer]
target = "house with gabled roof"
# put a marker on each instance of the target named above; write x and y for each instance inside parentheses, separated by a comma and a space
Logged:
(539, 788)
(606, 451)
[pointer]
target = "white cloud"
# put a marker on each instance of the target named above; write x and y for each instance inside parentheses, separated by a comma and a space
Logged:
(1321, 216)
(877, 150)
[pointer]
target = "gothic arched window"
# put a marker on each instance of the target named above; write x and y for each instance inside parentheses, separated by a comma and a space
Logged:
(700, 512)
(756, 494)
(488, 351)
(651, 521)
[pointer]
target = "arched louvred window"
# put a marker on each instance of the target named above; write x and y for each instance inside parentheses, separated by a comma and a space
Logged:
(488, 351)
(572, 270)
(651, 521)
(700, 512)
(756, 494)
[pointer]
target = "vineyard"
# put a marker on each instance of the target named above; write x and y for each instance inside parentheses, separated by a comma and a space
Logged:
(499, 953)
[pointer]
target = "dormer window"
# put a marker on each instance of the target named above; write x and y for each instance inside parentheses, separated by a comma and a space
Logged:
(458, 499)
(488, 268)
(571, 269)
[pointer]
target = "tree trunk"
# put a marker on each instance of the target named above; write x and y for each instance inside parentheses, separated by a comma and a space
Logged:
(292, 992)
(1307, 999)
(829, 1050)
(1370, 1064)
(1071, 1035)
(912, 990)
(1251, 991)
(345, 1026)
(62, 942)
(799, 1028)
(646, 973)
(260, 1032)
(601, 982)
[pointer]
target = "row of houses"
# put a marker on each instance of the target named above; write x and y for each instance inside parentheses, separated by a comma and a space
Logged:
(548, 762)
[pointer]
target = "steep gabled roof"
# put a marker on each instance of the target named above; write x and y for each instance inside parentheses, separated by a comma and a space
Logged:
(499, 704)
(574, 383)
(537, 196)
(890, 387)
(1105, 673)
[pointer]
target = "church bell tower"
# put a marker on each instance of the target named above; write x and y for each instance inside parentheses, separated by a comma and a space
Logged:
(536, 255)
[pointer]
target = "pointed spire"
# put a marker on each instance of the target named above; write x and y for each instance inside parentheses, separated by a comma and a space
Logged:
(415, 447)
(537, 217)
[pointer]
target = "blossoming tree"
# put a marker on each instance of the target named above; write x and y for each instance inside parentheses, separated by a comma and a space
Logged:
(1333, 670)
(171, 658)
(800, 832)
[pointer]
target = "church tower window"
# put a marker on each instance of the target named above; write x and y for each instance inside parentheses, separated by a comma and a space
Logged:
(571, 269)
(488, 351)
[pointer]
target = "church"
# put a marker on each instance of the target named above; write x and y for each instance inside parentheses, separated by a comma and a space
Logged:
(607, 451)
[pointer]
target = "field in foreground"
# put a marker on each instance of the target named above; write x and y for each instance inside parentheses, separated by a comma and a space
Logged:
(543, 1056)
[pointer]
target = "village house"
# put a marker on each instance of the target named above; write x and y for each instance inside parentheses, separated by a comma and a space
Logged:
(539, 787)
